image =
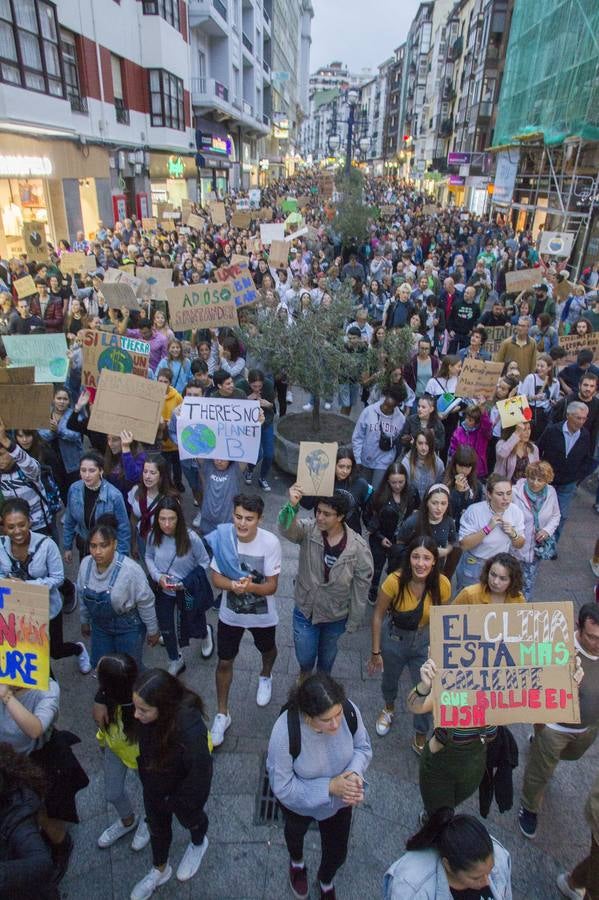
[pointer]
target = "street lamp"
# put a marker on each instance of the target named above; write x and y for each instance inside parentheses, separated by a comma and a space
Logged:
(334, 142)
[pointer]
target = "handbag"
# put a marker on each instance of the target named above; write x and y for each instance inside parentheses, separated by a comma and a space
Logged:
(547, 549)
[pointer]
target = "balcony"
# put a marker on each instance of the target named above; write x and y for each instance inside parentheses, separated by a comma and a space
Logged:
(247, 43)
(211, 15)
(266, 119)
(121, 112)
(220, 8)
(266, 66)
(248, 109)
(208, 93)
(78, 104)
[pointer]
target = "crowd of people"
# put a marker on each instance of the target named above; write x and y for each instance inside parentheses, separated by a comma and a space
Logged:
(434, 503)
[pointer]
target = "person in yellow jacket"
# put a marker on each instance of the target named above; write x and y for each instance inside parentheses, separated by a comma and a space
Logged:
(169, 448)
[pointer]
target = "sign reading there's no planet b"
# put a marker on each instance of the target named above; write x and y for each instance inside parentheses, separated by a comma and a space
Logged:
(47, 352)
(316, 468)
(219, 428)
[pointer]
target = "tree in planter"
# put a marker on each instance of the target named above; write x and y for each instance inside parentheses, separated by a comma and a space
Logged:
(311, 351)
(353, 216)
(396, 351)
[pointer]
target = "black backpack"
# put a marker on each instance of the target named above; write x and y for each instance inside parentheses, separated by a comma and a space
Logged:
(295, 732)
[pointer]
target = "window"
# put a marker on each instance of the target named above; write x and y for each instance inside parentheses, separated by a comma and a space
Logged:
(166, 100)
(29, 49)
(120, 107)
(166, 9)
(71, 72)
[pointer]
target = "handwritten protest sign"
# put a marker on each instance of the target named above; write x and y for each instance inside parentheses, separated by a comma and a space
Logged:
(478, 378)
(254, 195)
(24, 635)
(239, 265)
(241, 219)
(26, 405)
(289, 205)
(34, 236)
(167, 224)
(77, 263)
(25, 287)
(201, 306)
(21, 375)
(154, 282)
(119, 353)
(574, 343)
(47, 352)
(265, 214)
(219, 428)
(242, 204)
(270, 233)
(278, 255)
(122, 276)
(118, 294)
(514, 410)
(496, 335)
(149, 224)
(521, 280)
(503, 663)
(239, 281)
(194, 221)
(316, 468)
(127, 402)
(218, 213)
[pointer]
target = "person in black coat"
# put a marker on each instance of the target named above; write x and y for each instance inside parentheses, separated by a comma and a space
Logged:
(567, 447)
(26, 867)
(175, 769)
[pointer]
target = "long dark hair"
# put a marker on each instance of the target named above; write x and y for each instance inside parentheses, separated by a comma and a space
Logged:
(462, 840)
(165, 485)
(168, 695)
(429, 459)
(463, 456)
(17, 770)
(182, 542)
(512, 565)
(316, 694)
(348, 453)
(382, 494)
(405, 575)
(423, 525)
(116, 676)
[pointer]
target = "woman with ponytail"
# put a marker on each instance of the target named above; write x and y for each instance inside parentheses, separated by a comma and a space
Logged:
(452, 856)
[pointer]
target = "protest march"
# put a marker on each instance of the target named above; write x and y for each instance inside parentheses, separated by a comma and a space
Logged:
(179, 404)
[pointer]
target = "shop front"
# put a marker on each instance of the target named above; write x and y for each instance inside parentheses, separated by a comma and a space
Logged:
(215, 158)
(59, 185)
(173, 178)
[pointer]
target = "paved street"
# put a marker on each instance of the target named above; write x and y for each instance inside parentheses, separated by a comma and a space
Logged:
(248, 861)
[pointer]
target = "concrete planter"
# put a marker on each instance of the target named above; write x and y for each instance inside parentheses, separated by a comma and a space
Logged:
(292, 429)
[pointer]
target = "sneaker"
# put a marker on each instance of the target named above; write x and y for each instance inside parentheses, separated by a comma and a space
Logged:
(383, 723)
(207, 644)
(565, 889)
(264, 485)
(247, 476)
(594, 567)
(418, 743)
(423, 818)
(141, 838)
(192, 859)
(83, 661)
(307, 407)
(219, 726)
(328, 894)
(176, 665)
(298, 882)
(148, 884)
(328, 405)
(264, 691)
(114, 832)
(289, 397)
(197, 520)
(527, 821)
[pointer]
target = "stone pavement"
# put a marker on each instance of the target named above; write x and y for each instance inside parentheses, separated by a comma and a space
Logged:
(247, 861)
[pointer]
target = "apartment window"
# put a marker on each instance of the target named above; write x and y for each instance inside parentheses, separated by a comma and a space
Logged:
(166, 9)
(29, 51)
(166, 100)
(71, 72)
(120, 108)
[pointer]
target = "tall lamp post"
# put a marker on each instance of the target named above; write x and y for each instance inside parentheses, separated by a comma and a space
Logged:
(352, 145)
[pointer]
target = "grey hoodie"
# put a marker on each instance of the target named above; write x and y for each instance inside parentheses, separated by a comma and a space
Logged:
(365, 439)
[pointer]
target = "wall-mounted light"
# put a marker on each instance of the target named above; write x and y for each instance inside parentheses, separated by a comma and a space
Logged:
(121, 160)
(131, 158)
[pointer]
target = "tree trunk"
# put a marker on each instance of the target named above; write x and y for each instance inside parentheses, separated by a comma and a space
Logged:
(316, 415)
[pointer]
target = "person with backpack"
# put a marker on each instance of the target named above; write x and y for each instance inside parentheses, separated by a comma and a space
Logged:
(318, 753)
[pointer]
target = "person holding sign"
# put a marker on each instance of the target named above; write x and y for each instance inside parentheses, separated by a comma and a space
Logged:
(515, 452)
(400, 634)
(451, 856)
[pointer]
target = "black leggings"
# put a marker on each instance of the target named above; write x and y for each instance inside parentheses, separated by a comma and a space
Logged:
(160, 820)
(59, 648)
(334, 836)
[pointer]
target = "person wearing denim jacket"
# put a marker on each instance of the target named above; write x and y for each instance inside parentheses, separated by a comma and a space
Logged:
(68, 443)
(109, 501)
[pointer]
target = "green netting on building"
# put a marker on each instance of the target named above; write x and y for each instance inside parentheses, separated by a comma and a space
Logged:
(551, 77)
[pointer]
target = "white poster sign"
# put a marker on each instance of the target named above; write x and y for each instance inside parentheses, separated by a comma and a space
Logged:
(270, 233)
(219, 428)
(505, 176)
(557, 243)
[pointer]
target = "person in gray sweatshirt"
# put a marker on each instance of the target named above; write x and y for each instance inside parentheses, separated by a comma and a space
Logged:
(376, 436)
(318, 753)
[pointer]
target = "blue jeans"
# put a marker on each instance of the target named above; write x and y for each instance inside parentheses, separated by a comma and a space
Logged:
(267, 450)
(316, 645)
(348, 395)
(120, 637)
(529, 576)
(401, 648)
(192, 474)
(565, 495)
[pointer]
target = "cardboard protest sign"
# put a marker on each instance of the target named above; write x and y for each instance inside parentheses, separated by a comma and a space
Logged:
(241, 219)
(194, 221)
(270, 233)
(478, 378)
(387, 211)
(303, 202)
(514, 410)
(119, 353)
(521, 280)
(557, 243)
(154, 282)
(242, 204)
(24, 634)
(316, 468)
(430, 209)
(127, 402)
(296, 234)
(20, 375)
(118, 294)
(289, 205)
(503, 663)
(219, 428)
(254, 196)
(201, 306)
(227, 273)
(218, 214)
(265, 214)
(149, 224)
(34, 237)
(278, 255)
(121, 276)
(574, 343)
(167, 224)
(47, 352)
(26, 405)
(162, 208)
(77, 263)
(25, 287)
(496, 335)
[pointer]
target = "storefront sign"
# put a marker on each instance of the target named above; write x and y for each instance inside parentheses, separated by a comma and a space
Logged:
(457, 180)
(18, 166)
(175, 167)
(212, 143)
(458, 159)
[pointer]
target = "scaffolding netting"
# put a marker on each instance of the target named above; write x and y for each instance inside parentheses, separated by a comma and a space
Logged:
(551, 78)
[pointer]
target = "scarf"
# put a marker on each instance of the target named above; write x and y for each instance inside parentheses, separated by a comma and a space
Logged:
(535, 501)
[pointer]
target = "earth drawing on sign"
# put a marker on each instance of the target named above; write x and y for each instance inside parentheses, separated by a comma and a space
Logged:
(198, 439)
(58, 367)
(115, 359)
(317, 462)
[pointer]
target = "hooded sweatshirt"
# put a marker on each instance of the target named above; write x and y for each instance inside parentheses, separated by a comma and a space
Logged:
(371, 424)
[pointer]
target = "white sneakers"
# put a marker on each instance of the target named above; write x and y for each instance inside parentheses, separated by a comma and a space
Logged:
(383, 723)
(191, 861)
(141, 837)
(197, 520)
(264, 690)
(307, 407)
(207, 644)
(219, 726)
(328, 405)
(176, 665)
(83, 660)
(148, 884)
(117, 830)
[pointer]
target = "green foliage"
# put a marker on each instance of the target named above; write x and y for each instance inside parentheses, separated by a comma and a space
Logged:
(353, 217)
(396, 351)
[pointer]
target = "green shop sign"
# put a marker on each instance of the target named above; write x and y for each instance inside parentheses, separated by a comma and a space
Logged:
(175, 167)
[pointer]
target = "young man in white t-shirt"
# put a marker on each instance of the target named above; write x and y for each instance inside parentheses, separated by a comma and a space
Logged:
(247, 602)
